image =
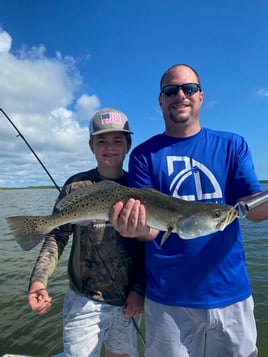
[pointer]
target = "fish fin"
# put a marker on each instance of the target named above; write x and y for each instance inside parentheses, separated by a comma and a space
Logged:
(165, 236)
(28, 231)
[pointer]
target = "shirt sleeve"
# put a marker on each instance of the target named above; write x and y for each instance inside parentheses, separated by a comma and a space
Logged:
(51, 250)
(245, 181)
(139, 169)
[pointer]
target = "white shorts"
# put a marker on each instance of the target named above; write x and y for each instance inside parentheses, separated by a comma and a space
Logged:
(182, 332)
(88, 324)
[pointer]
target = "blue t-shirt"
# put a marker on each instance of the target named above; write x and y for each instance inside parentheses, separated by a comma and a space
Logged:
(211, 166)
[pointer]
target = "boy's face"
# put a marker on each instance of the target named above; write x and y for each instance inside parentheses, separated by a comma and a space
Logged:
(109, 148)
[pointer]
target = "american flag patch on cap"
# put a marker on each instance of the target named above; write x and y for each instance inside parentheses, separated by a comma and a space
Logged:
(111, 118)
(108, 119)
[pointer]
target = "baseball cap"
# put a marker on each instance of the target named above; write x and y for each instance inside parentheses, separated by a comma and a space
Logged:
(107, 120)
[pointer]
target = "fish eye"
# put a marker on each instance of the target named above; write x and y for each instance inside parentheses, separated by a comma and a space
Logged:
(217, 214)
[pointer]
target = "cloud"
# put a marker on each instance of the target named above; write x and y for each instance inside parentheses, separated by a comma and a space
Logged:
(86, 105)
(42, 96)
(262, 92)
(210, 104)
(5, 41)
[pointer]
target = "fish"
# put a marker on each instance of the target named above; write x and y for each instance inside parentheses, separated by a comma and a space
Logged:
(163, 212)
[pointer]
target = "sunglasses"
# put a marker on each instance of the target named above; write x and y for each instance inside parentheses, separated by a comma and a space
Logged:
(188, 89)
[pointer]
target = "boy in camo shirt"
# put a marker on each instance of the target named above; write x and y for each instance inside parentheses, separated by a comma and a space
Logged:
(106, 273)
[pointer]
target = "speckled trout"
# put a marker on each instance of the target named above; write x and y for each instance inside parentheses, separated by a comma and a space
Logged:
(166, 213)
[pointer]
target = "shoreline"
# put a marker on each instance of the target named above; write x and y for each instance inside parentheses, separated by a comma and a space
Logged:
(51, 186)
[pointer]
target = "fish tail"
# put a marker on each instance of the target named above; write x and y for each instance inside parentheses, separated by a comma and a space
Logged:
(29, 230)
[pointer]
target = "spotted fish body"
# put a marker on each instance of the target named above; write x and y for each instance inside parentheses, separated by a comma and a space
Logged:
(163, 212)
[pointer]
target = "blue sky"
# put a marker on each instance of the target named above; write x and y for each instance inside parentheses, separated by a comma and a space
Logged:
(61, 60)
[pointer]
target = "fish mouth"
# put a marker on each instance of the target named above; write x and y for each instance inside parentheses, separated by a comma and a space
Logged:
(231, 215)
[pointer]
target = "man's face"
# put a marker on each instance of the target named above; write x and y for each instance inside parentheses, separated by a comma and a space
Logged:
(181, 108)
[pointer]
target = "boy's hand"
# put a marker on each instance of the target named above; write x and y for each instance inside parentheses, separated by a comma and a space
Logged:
(38, 298)
(134, 305)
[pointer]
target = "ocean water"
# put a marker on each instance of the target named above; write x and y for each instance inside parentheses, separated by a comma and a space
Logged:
(23, 331)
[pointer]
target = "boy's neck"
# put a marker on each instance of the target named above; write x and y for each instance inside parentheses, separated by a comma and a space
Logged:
(111, 173)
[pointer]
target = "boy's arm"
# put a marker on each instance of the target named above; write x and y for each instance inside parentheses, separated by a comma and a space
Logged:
(135, 299)
(38, 297)
(51, 250)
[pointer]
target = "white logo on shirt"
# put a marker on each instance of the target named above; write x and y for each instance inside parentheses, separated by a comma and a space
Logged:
(192, 167)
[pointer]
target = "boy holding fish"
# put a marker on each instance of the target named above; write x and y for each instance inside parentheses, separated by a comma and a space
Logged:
(104, 301)
(198, 298)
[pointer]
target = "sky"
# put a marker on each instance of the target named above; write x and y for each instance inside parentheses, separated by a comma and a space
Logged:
(62, 60)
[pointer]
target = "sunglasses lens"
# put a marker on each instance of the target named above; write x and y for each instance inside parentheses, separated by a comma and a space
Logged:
(188, 89)
(170, 90)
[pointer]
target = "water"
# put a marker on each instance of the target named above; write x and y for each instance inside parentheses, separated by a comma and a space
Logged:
(23, 331)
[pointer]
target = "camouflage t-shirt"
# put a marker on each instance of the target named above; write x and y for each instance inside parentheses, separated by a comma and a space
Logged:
(103, 265)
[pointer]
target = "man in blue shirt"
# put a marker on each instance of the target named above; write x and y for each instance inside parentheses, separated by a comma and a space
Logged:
(198, 296)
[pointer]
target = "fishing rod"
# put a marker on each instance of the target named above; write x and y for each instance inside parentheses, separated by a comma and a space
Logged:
(252, 203)
(97, 251)
(29, 146)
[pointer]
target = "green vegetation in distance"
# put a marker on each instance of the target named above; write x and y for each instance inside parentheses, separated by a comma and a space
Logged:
(27, 188)
(45, 187)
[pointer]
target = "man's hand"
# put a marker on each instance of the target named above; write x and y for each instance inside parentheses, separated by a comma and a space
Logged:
(130, 219)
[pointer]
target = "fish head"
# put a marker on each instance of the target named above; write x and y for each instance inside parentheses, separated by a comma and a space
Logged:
(206, 222)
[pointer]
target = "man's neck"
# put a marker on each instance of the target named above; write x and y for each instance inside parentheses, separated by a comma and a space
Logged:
(182, 131)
